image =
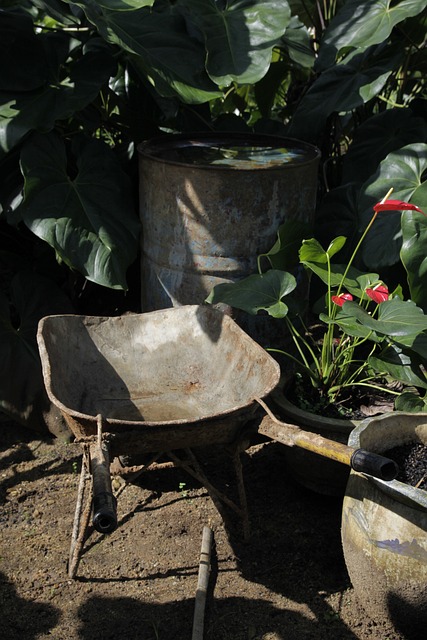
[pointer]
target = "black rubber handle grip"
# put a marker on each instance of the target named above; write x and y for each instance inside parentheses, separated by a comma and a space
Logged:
(104, 517)
(374, 464)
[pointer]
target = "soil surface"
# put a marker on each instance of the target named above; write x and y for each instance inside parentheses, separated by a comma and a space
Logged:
(288, 581)
(412, 462)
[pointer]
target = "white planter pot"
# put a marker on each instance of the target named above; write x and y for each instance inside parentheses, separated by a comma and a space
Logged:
(384, 530)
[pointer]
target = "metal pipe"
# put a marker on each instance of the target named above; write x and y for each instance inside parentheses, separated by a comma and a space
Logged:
(358, 459)
(104, 517)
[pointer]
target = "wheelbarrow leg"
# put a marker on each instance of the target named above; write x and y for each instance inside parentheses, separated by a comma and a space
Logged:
(237, 463)
(81, 515)
(193, 468)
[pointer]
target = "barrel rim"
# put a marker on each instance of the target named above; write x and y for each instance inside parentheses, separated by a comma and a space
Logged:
(148, 148)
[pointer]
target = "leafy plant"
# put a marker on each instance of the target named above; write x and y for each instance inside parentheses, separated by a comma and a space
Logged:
(380, 335)
(82, 83)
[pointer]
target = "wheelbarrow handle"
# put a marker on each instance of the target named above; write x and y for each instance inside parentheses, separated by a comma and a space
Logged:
(104, 517)
(373, 464)
(358, 459)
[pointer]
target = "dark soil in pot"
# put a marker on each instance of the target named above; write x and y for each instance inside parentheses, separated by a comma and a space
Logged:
(355, 403)
(412, 462)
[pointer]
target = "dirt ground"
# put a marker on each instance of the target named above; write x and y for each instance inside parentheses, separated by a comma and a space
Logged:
(288, 582)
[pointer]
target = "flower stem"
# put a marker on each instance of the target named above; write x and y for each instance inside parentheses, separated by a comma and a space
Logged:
(363, 236)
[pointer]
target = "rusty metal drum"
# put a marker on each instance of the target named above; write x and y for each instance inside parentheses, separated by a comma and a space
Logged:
(211, 203)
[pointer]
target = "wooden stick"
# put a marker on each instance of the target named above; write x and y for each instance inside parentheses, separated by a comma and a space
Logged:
(81, 523)
(202, 584)
(78, 512)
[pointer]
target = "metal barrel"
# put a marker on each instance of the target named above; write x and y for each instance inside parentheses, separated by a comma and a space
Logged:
(207, 214)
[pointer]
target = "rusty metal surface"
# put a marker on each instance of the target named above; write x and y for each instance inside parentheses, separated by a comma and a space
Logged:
(203, 225)
(172, 378)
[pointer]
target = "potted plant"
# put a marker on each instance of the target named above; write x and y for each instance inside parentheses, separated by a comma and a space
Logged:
(384, 525)
(366, 338)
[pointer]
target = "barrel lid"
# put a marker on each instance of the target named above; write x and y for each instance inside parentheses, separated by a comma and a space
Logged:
(229, 150)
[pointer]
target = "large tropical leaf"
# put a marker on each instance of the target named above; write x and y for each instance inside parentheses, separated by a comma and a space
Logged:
(188, 48)
(403, 170)
(89, 218)
(359, 25)
(414, 250)
(57, 10)
(400, 366)
(396, 318)
(297, 42)
(58, 99)
(378, 136)
(284, 253)
(239, 35)
(159, 46)
(342, 88)
(22, 394)
(258, 292)
(411, 402)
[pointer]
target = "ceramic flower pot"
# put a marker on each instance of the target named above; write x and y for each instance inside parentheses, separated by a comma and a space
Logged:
(309, 469)
(384, 530)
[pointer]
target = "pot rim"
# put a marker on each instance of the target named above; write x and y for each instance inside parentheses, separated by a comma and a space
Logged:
(396, 489)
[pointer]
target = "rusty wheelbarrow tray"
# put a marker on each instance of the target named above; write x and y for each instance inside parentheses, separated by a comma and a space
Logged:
(163, 381)
(178, 377)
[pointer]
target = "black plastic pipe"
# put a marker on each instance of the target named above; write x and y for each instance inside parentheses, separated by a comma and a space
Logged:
(104, 516)
(374, 464)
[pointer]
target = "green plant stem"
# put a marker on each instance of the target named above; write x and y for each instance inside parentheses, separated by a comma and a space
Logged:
(366, 383)
(306, 369)
(298, 339)
(361, 239)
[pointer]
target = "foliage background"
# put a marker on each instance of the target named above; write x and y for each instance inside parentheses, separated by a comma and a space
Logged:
(82, 83)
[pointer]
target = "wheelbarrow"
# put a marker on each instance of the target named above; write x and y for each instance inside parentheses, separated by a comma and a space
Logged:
(167, 381)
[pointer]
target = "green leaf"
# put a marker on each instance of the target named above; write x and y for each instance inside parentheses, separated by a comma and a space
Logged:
(267, 89)
(359, 25)
(314, 257)
(410, 402)
(312, 251)
(284, 253)
(337, 214)
(124, 5)
(22, 394)
(57, 100)
(159, 46)
(342, 88)
(258, 292)
(414, 251)
(297, 42)
(404, 170)
(239, 35)
(355, 281)
(396, 318)
(399, 365)
(58, 11)
(89, 218)
(378, 136)
(416, 343)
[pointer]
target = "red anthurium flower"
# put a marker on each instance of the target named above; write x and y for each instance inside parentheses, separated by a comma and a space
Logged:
(378, 294)
(397, 205)
(343, 297)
